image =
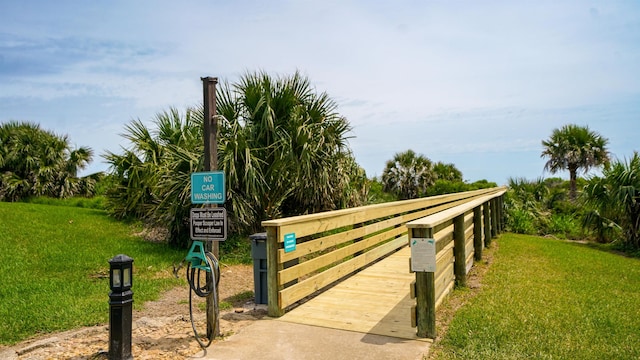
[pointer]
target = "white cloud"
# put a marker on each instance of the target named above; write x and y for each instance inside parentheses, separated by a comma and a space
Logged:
(454, 79)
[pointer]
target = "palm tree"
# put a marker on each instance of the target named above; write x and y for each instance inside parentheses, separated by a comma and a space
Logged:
(615, 198)
(36, 162)
(142, 167)
(524, 205)
(281, 145)
(408, 175)
(284, 146)
(574, 148)
(448, 172)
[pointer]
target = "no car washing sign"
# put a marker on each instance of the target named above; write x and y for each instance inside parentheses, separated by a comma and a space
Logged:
(208, 223)
(208, 188)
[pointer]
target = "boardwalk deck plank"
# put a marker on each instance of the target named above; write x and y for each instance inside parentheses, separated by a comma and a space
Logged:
(375, 301)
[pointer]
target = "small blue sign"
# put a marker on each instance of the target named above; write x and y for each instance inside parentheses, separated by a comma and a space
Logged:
(208, 188)
(289, 242)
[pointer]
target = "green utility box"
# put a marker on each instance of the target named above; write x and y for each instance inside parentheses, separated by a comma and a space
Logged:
(259, 255)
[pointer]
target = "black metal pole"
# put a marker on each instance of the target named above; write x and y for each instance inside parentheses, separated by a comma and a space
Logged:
(120, 320)
(120, 310)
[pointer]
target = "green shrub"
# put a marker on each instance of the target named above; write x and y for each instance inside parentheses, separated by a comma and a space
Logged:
(377, 194)
(236, 250)
(545, 207)
(564, 226)
(441, 187)
(521, 221)
(614, 198)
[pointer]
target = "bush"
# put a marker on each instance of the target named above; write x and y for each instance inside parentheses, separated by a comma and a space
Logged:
(236, 250)
(377, 194)
(441, 187)
(543, 205)
(521, 221)
(564, 226)
(615, 202)
(38, 162)
(282, 146)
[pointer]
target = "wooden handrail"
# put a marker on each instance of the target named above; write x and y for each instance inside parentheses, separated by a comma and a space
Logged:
(459, 238)
(434, 220)
(333, 244)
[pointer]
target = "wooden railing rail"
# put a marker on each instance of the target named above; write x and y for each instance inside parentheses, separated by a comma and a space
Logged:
(310, 252)
(458, 234)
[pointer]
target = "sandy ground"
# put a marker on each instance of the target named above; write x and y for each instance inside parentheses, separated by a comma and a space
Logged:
(162, 330)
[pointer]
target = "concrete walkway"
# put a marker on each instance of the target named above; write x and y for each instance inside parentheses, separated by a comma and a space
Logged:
(270, 339)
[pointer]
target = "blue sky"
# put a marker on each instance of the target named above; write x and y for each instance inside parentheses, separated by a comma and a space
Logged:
(476, 83)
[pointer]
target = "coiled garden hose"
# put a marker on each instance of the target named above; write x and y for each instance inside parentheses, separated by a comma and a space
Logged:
(204, 290)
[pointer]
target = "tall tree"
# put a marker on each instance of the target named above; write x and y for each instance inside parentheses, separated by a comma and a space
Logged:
(293, 154)
(408, 175)
(281, 145)
(615, 198)
(574, 148)
(448, 172)
(151, 161)
(36, 162)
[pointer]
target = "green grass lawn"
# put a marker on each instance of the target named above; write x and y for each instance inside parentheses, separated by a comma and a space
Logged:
(54, 267)
(550, 299)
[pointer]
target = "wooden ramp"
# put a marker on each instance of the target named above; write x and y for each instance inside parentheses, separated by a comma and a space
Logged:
(374, 301)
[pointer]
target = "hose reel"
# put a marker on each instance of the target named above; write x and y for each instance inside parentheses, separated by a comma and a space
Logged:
(198, 261)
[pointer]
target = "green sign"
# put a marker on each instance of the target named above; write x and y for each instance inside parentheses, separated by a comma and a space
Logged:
(208, 188)
(289, 242)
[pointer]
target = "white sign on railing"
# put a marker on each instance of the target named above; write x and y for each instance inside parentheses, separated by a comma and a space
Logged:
(423, 255)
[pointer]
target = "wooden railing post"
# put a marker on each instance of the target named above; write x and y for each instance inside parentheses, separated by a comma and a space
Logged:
(494, 218)
(459, 251)
(496, 203)
(273, 266)
(487, 223)
(425, 293)
(501, 211)
(477, 233)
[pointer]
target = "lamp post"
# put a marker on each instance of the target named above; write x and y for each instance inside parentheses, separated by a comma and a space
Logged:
(120, 307)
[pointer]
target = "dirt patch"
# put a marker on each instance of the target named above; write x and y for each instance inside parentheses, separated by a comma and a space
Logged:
(162, 330)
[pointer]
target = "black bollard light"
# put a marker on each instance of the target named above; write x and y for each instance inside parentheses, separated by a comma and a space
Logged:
(120, 307)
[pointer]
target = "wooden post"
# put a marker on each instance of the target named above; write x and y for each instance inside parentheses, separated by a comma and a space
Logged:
(487, 223)
(477, 233)
(459, 251)
(425, 293)
(273, 289)
(210, 163)
(210, 137)
(501, 211)
(496, 203)
(494, 218)
(498, 215)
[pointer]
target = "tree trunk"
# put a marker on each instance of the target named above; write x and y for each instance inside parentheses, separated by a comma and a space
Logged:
(572, 182)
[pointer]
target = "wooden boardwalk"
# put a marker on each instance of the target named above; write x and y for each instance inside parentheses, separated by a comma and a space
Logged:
(374, 301)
